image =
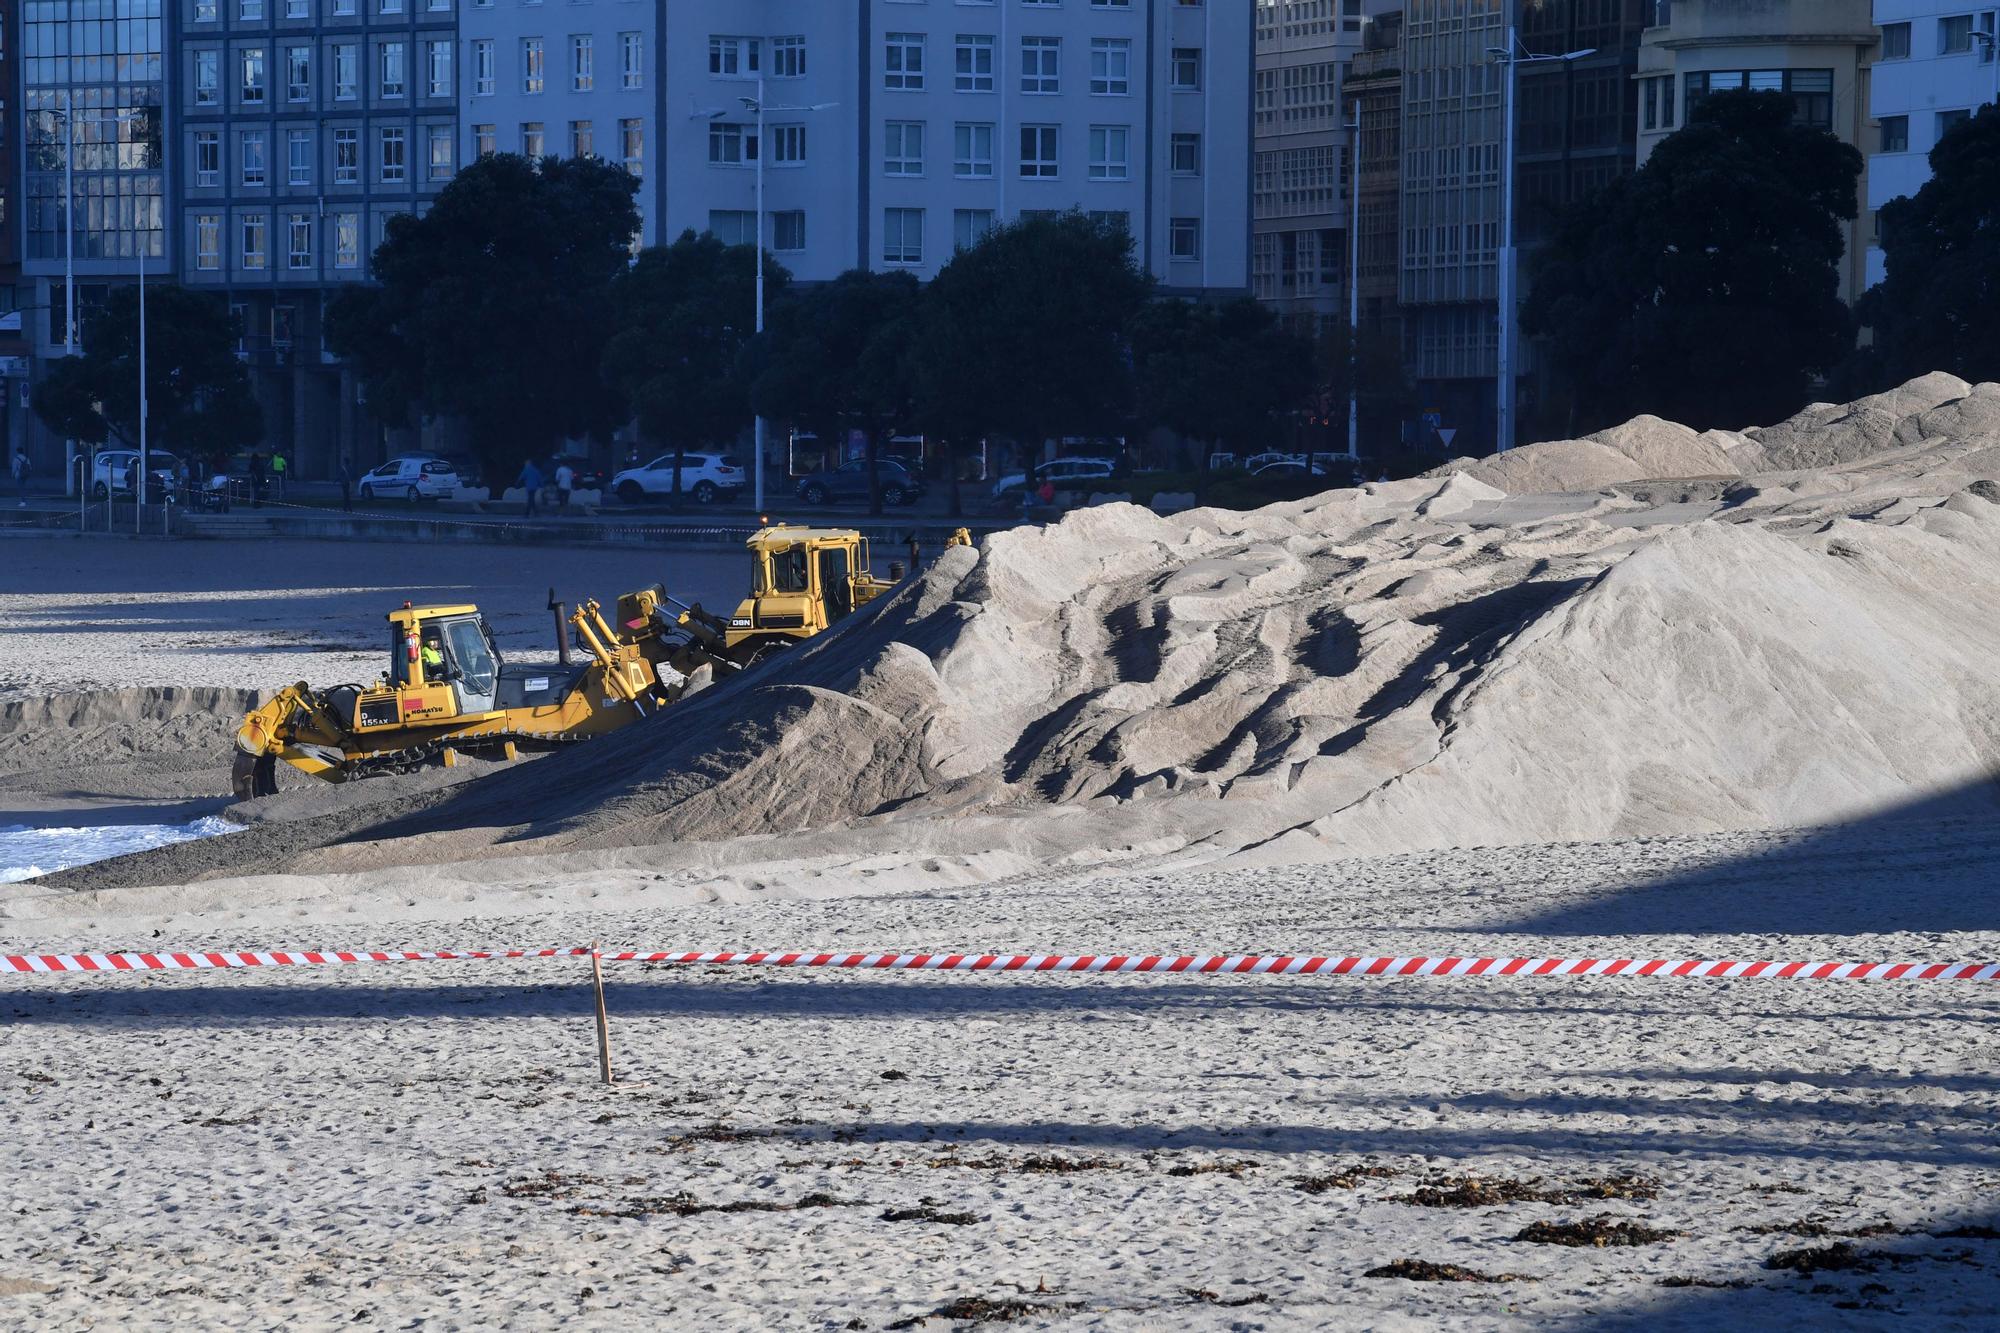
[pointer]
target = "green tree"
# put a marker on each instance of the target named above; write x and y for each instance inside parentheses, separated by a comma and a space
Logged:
(1705, 287)
(495, 305)
(1368, 365)
(1226, 375)
(841, 357)
(198, 395)
(1023, 334)
(684, 315)
(1935, 307)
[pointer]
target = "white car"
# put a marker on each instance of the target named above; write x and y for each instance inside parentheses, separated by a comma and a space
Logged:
(411, 477)
(706, 477)
(112, 471)
(1066, 473)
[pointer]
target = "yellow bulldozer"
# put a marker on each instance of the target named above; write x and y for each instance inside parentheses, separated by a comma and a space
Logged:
(449, 693)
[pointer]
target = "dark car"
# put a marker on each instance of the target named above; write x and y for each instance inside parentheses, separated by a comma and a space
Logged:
(849, 481)
(589, 476)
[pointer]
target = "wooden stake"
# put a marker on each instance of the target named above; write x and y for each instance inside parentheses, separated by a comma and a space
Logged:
(603, 1021)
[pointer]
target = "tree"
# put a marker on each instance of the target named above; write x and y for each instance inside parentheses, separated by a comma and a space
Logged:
(1705, 287)
(841, 357)
(198, 395)
(496, 304)
(1222, 374)
(1369, 365)
(1935, 308)
(1023, 334)
(684, 315)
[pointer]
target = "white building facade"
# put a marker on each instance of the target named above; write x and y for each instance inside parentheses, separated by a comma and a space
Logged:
(898, 130)
(1936, 66)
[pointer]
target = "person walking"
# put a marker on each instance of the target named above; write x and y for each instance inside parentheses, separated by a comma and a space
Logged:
(278, 467)
(256, 479)
(19, 467)
(346, 485)
(565, 483)
(530, 482)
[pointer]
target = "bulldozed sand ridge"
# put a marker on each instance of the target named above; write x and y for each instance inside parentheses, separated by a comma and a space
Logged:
(1647, 632)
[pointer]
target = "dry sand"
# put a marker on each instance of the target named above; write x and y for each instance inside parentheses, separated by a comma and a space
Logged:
(1650, 694)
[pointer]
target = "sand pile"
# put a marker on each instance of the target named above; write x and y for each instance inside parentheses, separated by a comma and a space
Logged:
(138, 743)
(1406, 665)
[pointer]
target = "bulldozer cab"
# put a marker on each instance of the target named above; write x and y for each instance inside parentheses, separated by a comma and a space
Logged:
(802, 581)
(442, 662)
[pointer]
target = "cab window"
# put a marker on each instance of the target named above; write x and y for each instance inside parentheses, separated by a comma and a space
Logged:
(788, 570)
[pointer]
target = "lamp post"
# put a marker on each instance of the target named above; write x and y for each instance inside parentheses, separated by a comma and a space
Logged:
(1513, 57)
(62, 117)
(1353, 129)
(1992, 44)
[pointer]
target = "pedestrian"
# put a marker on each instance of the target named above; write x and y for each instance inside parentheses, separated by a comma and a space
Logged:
(19, 467)
(530, 482)
(346, 485)
(1046, 493)
(183, 474)
(256, 479)
(278, 473)
(565, 483)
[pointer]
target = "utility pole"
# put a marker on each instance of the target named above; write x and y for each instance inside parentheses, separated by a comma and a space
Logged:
(1354, 288)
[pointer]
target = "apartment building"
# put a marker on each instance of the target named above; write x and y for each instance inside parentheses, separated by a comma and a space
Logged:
(1817, 52)
(1304, 156)
(1373, 93)
(899, 130)
(15, 347)
(566, 79)
(1935, 67)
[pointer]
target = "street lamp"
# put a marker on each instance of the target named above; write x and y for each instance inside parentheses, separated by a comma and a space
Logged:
(758, 105)
(1513, 56)
(1353, 129)
(1992, 55)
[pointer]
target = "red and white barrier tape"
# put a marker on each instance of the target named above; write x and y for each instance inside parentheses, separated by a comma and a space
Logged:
(1252, 964)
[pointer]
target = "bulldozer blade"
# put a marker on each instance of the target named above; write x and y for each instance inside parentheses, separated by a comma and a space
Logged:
(253, 775)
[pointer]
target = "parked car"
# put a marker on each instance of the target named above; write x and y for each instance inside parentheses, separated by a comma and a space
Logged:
(706, 477)
(1066, 473)
(849, 481)
(112, 472)
(589, 476)
(412, 477)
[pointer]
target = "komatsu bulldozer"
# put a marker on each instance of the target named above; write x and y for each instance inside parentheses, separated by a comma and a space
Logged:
(448, 693)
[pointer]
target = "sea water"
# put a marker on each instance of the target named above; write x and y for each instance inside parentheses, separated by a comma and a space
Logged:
(26, 852)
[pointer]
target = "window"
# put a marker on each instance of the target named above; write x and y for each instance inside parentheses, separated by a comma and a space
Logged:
(207, 157)
(1895, 41)
(533, 141)
(394, 76)
(1185, 158)
(731, 145)
(250, 157)
(395, 159)
(347, 240)
(1649, 100)
(1038, 152)
(732, 226)
(1110, 4)
(204, 11)
(437, 69)
(298, 157)
(251, 238)
(1954, 34)
(298, 73)
(788, 145)
(582, 139)
(343, 8)
(1110, 66)
(973, 64)
(1895, 134)
(902, 235)
(438, 141)
(482, 67)
(788, 230)
(346, 71)
(485, 140)
(1187, 69)
(968, 225)
(632, 145)
(298, 9)
(582, 63)
(346, 157)
(732, 57)
(531, 65)
(390, 7)
(1110, 152)
(250, 10)
(1811, 90)
(1184, 238)
(903, 148)
(788, 61)
(1112, 219)
(208, 241)
(1947, 121)
(903, 62)
(631, 60)
(298, 240)
(252, 83)
(1041, 64)
(972, 151)
(207, 78)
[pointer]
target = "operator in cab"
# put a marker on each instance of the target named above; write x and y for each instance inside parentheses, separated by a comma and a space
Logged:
(432, 655)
